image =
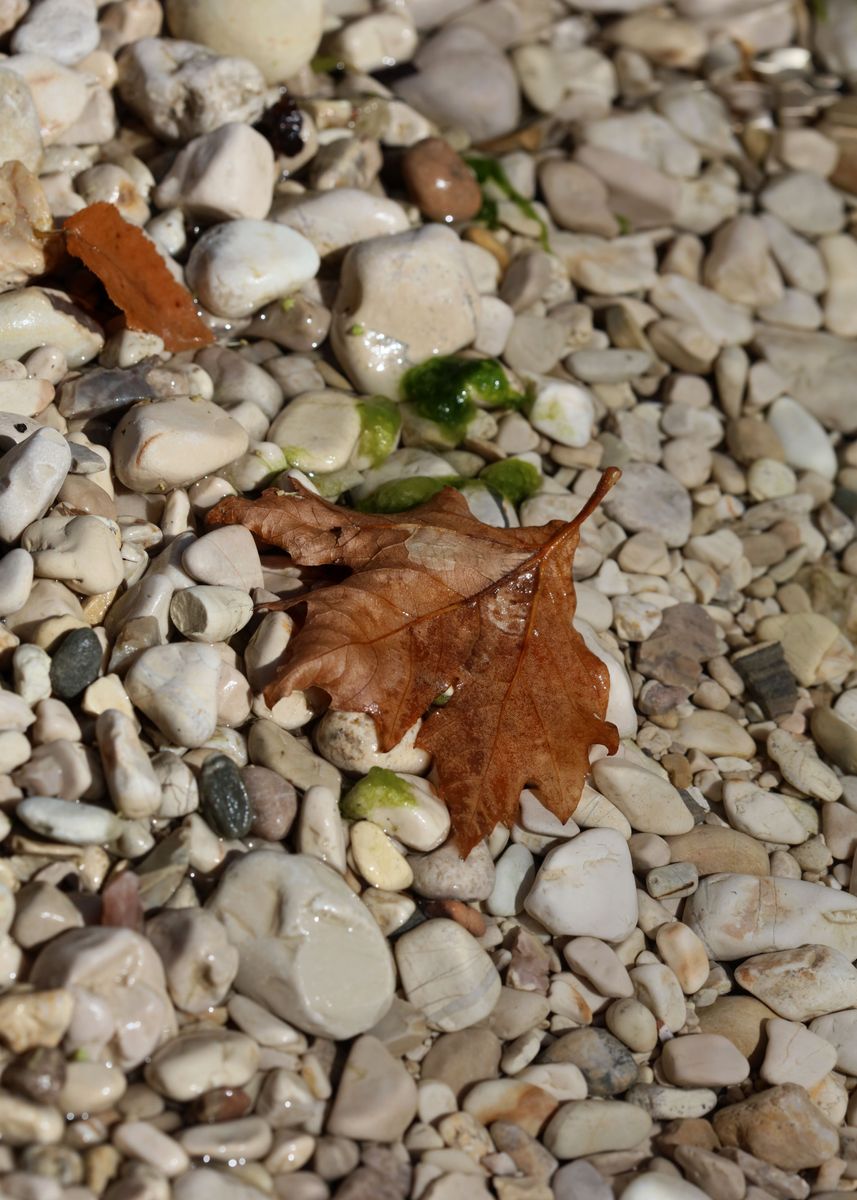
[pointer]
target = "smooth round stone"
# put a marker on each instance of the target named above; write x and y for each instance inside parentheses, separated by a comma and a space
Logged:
(64, 821)
(377, 336)
(273, 803)
(31, 317)
(716, 734)
(656, 1185)
(741, 1019)
(318, 431)
(633, 1024)
(648, 500)
(172, 443)
(209, 613)
(586, 887)
(514, 873)
(16, 579)
(839, 1029)
(376, 1099)
(600, 964)
(75, 663)
(309, 949)
(714, 849)
(444, 874)
(63, 30)
(240, 266)
(31, 474)
(684, 954)
(191, 1065)
(227, 557)
(447, 975)
(564, 412)
(739, 915)
(522, 1104)
(409, 810)
(176, 687)
(337, 219)
(278, 37)
(703, 1060)
(377, 859)
(439, 182)
(20, 137)
(795, 1054)
(584, 1127)
(650, 802)
(763, 815)
(804, 440)
(607, 1066)
(224, 801)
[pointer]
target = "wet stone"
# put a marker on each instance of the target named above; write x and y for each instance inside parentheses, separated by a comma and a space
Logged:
(75, 663)
(273, 802)
(224, 800)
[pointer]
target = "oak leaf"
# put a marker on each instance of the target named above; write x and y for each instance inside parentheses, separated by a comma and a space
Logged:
(437, 600)
(135, 276)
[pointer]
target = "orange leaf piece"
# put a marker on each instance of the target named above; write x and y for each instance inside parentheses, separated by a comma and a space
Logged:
(136, 277)
(436, 599)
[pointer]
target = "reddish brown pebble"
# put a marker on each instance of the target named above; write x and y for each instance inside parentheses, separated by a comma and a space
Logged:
(121, 904)
(273, 801)
(221, 1104)
(439, 182)
(457, 910)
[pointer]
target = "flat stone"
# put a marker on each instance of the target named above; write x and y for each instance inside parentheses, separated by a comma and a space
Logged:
(803, 983)
(715, 734)
(650, 802)
(376, 1099)
(446, 973)
(740, 915)
(714, 849)
(176, 687)
(583, 1127)
(796, 1054)
(461, 1059)
(647, 499)
(742, 1019)
(703, 1060)
(172, 443)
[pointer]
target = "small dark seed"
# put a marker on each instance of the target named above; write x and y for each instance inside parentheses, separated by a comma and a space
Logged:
(224, 802)
(75, 663)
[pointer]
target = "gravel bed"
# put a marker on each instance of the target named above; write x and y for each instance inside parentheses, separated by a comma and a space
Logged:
(239, 956)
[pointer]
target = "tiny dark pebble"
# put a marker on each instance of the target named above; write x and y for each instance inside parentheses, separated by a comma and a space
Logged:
(224, 802)
(769, 678)
(282, 125)
(39, 1074)
(273, 800)
(75, 663)
(221, 1104)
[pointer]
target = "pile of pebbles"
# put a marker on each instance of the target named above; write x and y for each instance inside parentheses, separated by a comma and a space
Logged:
(239, 957)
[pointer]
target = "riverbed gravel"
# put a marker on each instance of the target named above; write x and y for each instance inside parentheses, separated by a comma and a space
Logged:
(239, 956)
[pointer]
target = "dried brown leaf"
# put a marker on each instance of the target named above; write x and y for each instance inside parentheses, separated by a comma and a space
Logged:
(436, 599)
(135, 276)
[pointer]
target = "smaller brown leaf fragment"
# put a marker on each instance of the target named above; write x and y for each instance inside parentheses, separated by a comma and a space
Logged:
(135, 276)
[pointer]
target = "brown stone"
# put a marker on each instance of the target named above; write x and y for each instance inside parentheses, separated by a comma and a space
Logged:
(686, 638)
(688, 1131)
(273, 801)
(457, 910)
(512, 1101)
(528, 1155)
(714, 848)
(780, 1125)
(440, 182)
(750, 438)
(462, 1059)
(739, 1018)
(715, 1175)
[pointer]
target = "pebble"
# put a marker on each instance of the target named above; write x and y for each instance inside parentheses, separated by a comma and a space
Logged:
(519, 1102)
(133, 785)
(376, 1098)
(176, 687)
(606, 1065)
(714, 849)
(650, 802)
(795, 1054)
(224, 801)
(780, 1125)
(447, 975)
(596, 865)
(740, 915)
(584, 1127)
(32, 317)
(802, 983)
(210, 613)
(190, 1065)
(801, 767)
(273, 803)
(76, 823)
(805, 202)
(648, 500)
(75, 663)
(24, 1123)
(337, 219)
(268, 923)
(16, 579)
(685, 955)
(443, 874)
(435, 311)
(180, 90)
(406, 808)
(564, 412)
(805, 443)
(142, 1141)
(64, 30)
(31, 474)
(35, 1019)
(172, 443)
(634, 1024)
(656, 1185)
(226, 557)
(703, 1060)
(439, 182)
(279, 49)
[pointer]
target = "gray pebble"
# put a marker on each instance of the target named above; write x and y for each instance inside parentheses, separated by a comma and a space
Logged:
(75, 664)
(224, 801)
